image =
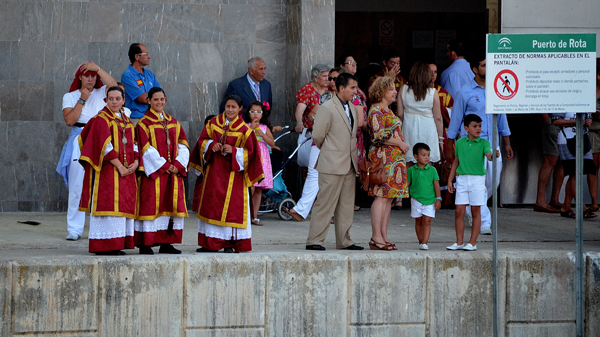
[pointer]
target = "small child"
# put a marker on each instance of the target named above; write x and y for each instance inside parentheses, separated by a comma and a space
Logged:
(259, 122)
(424, 189)
(471, 152)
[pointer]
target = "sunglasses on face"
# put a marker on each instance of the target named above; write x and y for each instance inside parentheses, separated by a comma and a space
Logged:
(332, 78)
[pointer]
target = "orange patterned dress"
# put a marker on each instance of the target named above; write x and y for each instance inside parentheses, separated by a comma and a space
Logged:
(383, 125)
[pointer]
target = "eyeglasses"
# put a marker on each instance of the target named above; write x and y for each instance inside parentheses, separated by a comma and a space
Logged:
(352, 63)
(332, 78)
(256, 112)
(143, 54)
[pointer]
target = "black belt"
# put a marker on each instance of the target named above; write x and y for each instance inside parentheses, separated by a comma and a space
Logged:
(79, 125)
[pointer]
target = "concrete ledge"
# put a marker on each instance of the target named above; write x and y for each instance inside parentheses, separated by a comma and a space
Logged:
(296, 294)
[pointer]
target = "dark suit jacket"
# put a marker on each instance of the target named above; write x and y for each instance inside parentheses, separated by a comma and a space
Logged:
(241, 87)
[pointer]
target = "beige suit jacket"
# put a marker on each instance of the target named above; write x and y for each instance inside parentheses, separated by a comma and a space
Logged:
(335, 138)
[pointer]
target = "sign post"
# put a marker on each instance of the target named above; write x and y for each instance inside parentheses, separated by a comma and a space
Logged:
(543, 73)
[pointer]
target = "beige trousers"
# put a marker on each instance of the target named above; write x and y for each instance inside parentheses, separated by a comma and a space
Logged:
(336, 196)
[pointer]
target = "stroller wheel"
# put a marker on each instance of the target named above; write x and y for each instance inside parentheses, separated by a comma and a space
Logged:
(287, 203)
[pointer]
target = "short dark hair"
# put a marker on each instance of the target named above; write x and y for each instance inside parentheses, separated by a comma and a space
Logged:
(341, 61)
(134, 49)
(457, 47)
(420, 146)
(390, 54)
(153, 91)
(475, 59)
(234, 98)
(472, 118)
(116, 88)
(343, 79)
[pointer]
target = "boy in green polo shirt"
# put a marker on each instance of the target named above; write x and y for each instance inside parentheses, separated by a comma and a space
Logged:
(471, 152)
(424, 189)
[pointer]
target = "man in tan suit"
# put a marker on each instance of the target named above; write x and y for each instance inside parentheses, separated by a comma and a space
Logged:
(334, 133)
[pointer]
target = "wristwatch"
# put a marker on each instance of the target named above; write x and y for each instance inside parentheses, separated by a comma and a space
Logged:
(82, 101)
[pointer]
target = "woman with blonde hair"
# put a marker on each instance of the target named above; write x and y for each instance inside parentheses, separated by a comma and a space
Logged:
(387, 145)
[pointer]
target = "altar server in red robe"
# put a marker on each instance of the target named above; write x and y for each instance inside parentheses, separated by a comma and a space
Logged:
(110, 159)
(164, 159)
(228, 161)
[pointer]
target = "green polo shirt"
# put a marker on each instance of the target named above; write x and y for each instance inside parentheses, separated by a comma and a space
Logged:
(421, 183)
(471, 156)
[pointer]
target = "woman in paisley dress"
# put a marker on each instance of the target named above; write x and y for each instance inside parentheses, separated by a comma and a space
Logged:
(387, 145)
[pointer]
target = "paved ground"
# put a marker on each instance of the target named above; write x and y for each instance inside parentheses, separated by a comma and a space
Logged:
(519, 230)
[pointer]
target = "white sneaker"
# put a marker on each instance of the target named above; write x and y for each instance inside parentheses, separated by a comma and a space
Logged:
(455, 247)
(487, 231)
(423, 246)
(73, 237)
(469, 247)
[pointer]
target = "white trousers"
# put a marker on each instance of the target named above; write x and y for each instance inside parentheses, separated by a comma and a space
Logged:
(75, 218)
(486, 215)
(311, 185)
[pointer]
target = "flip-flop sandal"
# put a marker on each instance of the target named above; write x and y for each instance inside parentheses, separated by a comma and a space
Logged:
(256, 222)
(588, 214)
(594, 209)
(296, 216)
(568, 214)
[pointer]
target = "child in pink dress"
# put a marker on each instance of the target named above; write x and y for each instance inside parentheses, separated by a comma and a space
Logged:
(261, 125)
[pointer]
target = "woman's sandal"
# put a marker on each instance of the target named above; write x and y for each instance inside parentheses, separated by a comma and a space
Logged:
(374, 245)
(589, 214)
(594, 209)
(568, 214)
(393, 245)
(256, 222)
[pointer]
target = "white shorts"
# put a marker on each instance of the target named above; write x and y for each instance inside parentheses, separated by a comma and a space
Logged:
(470, 190)
(417, 209)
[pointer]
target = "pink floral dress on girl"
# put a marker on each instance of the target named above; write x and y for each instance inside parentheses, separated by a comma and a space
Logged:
(266, 160)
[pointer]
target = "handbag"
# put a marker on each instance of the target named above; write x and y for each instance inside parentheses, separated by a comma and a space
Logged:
(572, 143)
(371, 173)
(443, 168)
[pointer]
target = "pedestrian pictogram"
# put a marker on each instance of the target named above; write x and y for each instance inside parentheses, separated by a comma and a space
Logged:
(506, 84)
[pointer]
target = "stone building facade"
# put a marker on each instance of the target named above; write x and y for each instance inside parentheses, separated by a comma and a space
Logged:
(197, 47)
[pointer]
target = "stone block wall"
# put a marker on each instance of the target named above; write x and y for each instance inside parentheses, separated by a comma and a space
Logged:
(196, 48)
(290, 294)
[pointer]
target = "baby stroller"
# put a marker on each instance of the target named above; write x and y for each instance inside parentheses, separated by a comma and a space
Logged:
(279, 198)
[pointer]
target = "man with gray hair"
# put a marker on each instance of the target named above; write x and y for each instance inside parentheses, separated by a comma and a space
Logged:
(252, 86)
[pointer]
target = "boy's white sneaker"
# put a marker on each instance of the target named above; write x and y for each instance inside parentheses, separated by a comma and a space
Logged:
(469, 247)
(423, 246)
(486, 231)
(455, 247)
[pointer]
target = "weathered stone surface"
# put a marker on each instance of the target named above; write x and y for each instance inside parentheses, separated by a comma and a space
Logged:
(235, 287)
(239, 332)
(141, 296)
(36, 61)
(386, 289)
(5, 297)
(70, 21)
(107, 24)
(308, 295)
(461, 291)
(536, 283)
(55, 295)
(9, 63)
(37, 21)
(402, 330)
(541, 329)
(178, 100)
(206, 63)
(592, 302)
(11, 12)
(243, 24)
